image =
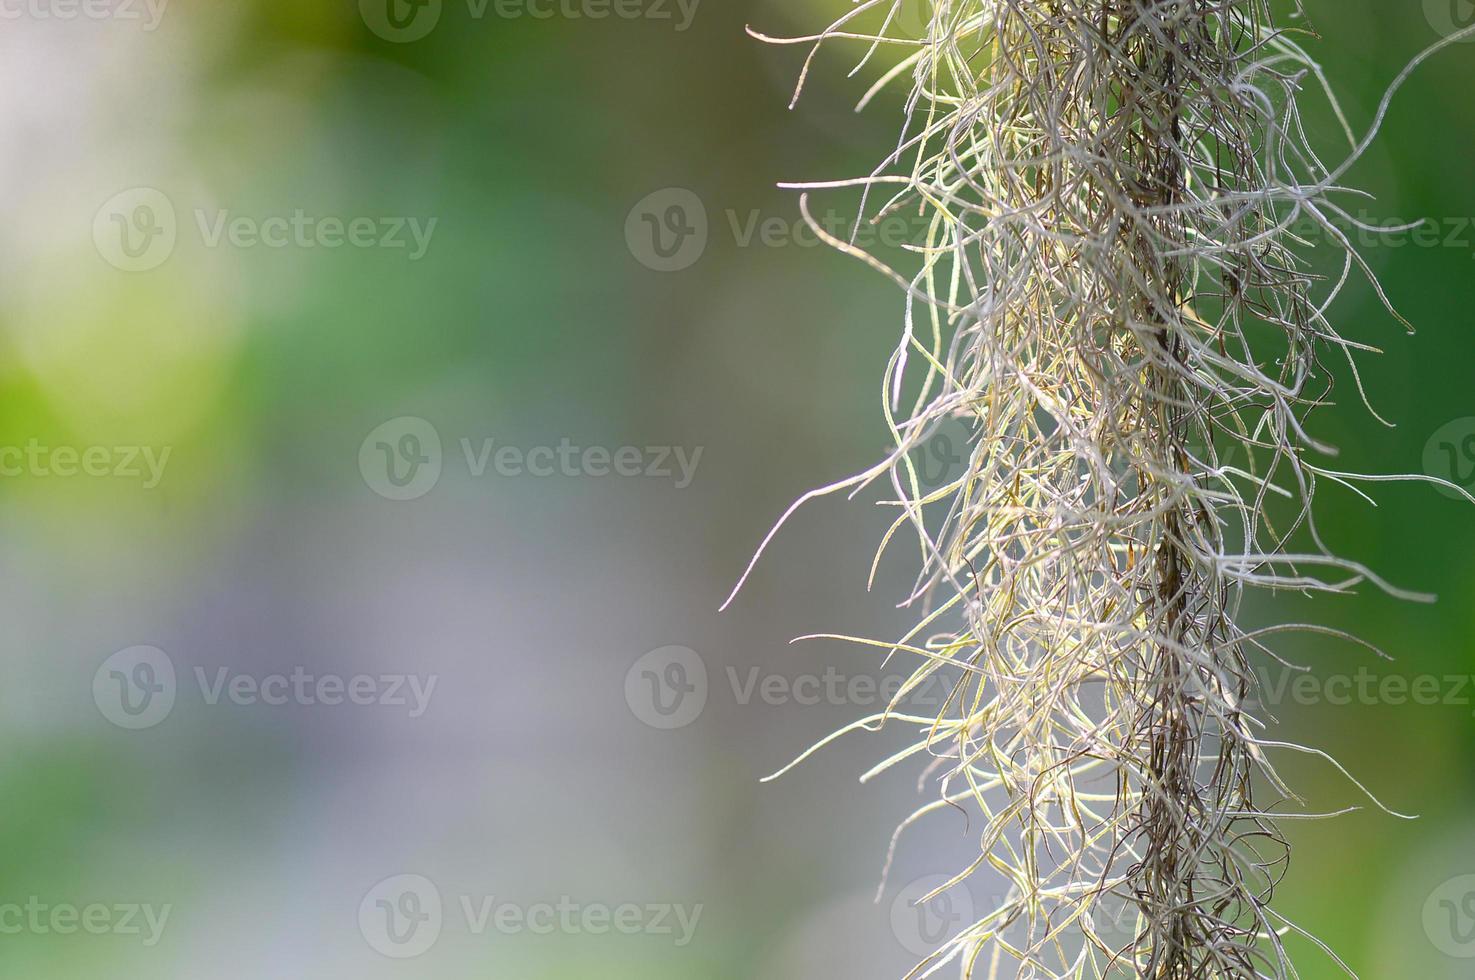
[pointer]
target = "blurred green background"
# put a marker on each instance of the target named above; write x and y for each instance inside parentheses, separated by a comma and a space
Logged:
(538, 312)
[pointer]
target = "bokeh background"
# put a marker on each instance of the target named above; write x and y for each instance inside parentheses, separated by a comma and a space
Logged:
(540, 312)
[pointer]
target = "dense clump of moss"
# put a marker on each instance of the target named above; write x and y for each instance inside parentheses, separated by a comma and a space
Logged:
(1115, 295)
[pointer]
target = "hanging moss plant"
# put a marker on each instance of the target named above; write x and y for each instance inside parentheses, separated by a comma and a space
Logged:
(1115, 295)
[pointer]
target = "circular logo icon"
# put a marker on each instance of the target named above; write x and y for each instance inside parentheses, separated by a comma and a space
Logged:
(1450, 455)
(667, 230)
(401, 21)
(1449, 917)
(401, 459)
(1116, 924)
(136, 230)
(1450, 16)
(135, 688)
(1205, 453)
(923, 922)
(401, 917)
(667, 688)
(912, 20)
(942, 458)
